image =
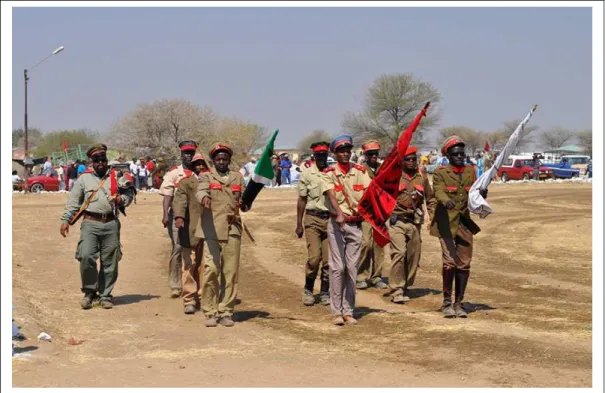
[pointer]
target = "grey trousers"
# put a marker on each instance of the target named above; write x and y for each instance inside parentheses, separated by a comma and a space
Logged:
(175, 265)
(345, 248)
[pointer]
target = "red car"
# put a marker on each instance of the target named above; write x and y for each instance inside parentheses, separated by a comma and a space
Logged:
(40, 183)
(522, 168)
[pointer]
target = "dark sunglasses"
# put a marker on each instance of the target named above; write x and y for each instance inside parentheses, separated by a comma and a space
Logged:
(99, 159)
(410, 159)
(459, 154)
(372, 153)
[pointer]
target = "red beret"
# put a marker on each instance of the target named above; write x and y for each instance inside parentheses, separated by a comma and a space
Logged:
(370, 145)
(410, 150)
(220, 147)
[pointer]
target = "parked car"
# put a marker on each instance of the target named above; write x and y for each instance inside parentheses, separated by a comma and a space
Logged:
(522, 168)
(563, 170)
(39, 183)
(577, 161)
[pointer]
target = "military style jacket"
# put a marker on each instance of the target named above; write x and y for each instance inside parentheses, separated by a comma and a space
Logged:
(309, 186)
(406, 206)
(222, 219)
(87, 183)
(371, 171)
(353, 183)
(449, 185)
(172, 178)
(186, 206)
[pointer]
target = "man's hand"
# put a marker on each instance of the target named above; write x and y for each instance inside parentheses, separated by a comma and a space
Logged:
(206, 202)
(299, 231)
(165, 220)
(340, 219)
(64, 229)
(483, 193)
(449, 205)
(179, 222)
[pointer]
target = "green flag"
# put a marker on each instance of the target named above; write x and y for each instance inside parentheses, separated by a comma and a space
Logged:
(263, 171)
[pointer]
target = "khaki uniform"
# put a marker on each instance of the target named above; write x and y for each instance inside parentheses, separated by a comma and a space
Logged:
(186, 206)
(405, 232)
(371, 261)
(315, 224)
(221, 230)
(454, 228)
(99, 237)
(344, 242)
(169, 184)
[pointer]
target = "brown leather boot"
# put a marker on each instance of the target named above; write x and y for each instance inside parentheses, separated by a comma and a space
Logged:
(461, 282)
(447, 308)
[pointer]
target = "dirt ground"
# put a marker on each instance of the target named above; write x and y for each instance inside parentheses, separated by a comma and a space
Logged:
(530, 295)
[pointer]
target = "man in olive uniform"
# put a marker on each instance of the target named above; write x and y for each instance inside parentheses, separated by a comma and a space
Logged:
(452, 223)
(311, 202)
(167, 191)
(187, 214)
(369, 269)
(219, 191)
(405, 226)
(344, 185)
(97, 197)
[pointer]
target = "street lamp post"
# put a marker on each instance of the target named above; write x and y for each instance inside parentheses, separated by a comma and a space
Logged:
(26, 159)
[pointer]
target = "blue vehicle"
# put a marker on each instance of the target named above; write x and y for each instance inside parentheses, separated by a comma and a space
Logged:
(563, 170)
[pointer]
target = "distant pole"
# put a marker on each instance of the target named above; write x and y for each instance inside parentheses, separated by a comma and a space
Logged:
(25, 141)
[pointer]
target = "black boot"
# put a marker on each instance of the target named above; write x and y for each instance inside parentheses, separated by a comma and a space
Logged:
(308, 298)
(324, 296)
(461, 281)
(310, 284)
(448, 281)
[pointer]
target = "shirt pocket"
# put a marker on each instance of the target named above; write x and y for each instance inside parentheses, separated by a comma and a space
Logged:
(313, 191)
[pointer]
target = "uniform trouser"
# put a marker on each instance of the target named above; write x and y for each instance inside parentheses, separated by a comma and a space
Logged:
(192, 274)
(102, 240)
(221, 267)
(344, 256)
(316, 233)
(371, 259)
(175, 263)
(458, 252)
(405, 256)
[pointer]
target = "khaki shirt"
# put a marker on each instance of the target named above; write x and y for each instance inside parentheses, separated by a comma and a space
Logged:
(222, 220)
(171, 180)
(353, 184)
(405, 204)
(186, 206)
(309, 186)
(85, 185)
(448, 185)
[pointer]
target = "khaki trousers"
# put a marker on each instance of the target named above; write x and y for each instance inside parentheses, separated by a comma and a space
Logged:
(192, 274)
(221, 267)
(344, 256)
(316, 233)
(175, 264)
(371, 260)
(458, 253)
(405, 256)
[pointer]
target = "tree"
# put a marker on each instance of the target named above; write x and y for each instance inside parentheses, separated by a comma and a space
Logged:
(525, 136)
(496, 139)
(33, 137)
(473, 139)
(52, 141)
(157, 128)
(391, 104)
(555, 138)
(315, 136)
(585, 140)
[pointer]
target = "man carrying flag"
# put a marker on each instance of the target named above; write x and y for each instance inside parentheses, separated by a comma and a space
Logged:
(452, 223)
(316, 216)
(344, 185)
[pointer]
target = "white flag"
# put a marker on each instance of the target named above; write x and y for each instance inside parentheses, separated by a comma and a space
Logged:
(476, 203)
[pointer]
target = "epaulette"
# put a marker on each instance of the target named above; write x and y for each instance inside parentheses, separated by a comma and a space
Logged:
(329, 169)
(308, 163)
(360, 167)
(128, 176)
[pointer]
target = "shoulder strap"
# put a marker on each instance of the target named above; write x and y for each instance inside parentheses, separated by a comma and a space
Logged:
(87, 202)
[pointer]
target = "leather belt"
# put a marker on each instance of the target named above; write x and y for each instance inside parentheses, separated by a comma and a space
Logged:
(406, 219)
(319, 213)
(101, 217)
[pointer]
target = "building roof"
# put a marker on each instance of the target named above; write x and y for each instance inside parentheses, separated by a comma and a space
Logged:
(566, 149)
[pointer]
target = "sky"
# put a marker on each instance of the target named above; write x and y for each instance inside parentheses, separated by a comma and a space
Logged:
(301, 69)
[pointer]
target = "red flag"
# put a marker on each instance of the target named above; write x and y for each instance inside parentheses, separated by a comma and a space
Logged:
(486, 148)
(64, 145)
(378, 201)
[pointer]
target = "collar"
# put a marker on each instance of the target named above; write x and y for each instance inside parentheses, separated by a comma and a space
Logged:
(458, 170)
(344, 168)
(407, 175)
